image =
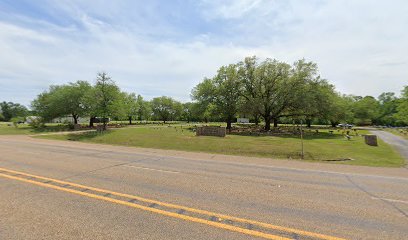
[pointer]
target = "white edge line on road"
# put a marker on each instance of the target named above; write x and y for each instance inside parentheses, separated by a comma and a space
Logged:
(151, 169)
(292, 168)
(390, 200)
(265, 166)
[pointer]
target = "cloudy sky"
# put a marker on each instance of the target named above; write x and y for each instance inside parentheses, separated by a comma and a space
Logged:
(166, 47)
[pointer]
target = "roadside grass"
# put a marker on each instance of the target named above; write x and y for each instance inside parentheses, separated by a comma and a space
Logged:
(319, 147)
(7, 128)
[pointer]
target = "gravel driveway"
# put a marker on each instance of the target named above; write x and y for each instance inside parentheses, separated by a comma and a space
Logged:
(397, 142)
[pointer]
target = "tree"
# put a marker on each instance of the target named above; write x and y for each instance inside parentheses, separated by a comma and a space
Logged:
(316, 100)
(72, 99)
(9, 110)
(130, 105)
(267, 88)
(203, 94)
(106, 98)
(340, 109)
(187, 112)
(46, 105)
(271, 90)
(223, 91)
(165, 108)
(366, 110)
(63, 100)
(246, 73)
(402, 108)
(144, 111)
(227, 93)
(387, 109)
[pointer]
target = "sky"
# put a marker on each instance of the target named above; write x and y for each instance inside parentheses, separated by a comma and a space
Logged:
(157, 48)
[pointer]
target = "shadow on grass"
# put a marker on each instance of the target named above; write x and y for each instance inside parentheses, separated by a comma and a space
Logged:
(306, 136)
(87, 135)
(58, 128)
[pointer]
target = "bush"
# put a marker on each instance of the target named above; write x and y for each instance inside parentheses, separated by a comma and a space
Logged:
(17, 120)
(69, 124)
(35, 122)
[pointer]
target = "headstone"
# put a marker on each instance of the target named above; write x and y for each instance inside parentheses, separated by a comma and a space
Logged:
(211, 131)
(371, 140)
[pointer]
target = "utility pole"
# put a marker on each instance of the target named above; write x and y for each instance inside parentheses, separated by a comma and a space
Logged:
(302, 154)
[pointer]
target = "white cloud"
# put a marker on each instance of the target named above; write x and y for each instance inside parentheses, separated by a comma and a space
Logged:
(230, 9)
(360, 47)
(138, 65)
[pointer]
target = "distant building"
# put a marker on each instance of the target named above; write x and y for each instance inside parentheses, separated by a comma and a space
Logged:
(70, 119)
(31, 119)
(242, 120)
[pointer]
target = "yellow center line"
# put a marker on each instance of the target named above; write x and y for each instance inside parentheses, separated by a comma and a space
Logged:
(171, 214)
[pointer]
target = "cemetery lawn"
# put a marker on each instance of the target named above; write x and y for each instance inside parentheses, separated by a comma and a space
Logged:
(319, 147)
(8, 129)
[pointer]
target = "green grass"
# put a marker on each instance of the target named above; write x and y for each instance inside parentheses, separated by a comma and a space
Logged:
(24, 129)
(322, 146)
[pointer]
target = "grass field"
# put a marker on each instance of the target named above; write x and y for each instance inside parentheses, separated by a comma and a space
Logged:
(24, 129)
(7, 128)
(322, 146)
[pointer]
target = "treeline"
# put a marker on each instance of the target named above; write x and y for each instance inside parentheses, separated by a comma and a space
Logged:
(10, 111)
(103, 100)
(267, 92)
(275, 91)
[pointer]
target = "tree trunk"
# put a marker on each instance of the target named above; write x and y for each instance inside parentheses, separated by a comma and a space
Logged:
(229, 123)
(75, 117)
(309, 123)
(256, 118)
(130, 120)
(275, 122)
(267, 123)
(91, 121)
(333, 124)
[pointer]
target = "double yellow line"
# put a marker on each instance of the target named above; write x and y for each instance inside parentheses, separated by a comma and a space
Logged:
(220, 218)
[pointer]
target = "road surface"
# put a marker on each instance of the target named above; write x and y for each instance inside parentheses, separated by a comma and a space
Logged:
(69, 190)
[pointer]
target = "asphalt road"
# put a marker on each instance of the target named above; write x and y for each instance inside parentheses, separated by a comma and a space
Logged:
(291, 196)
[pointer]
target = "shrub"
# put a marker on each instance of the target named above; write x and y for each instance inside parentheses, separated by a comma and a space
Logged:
(35, 122)
(17, 120)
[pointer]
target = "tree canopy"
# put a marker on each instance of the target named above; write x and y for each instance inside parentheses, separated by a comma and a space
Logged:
(63, 100)
(269, 90)
(9, 110)
(166, 108)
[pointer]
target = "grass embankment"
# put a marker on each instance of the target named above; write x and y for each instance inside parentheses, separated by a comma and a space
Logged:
(322, 146)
